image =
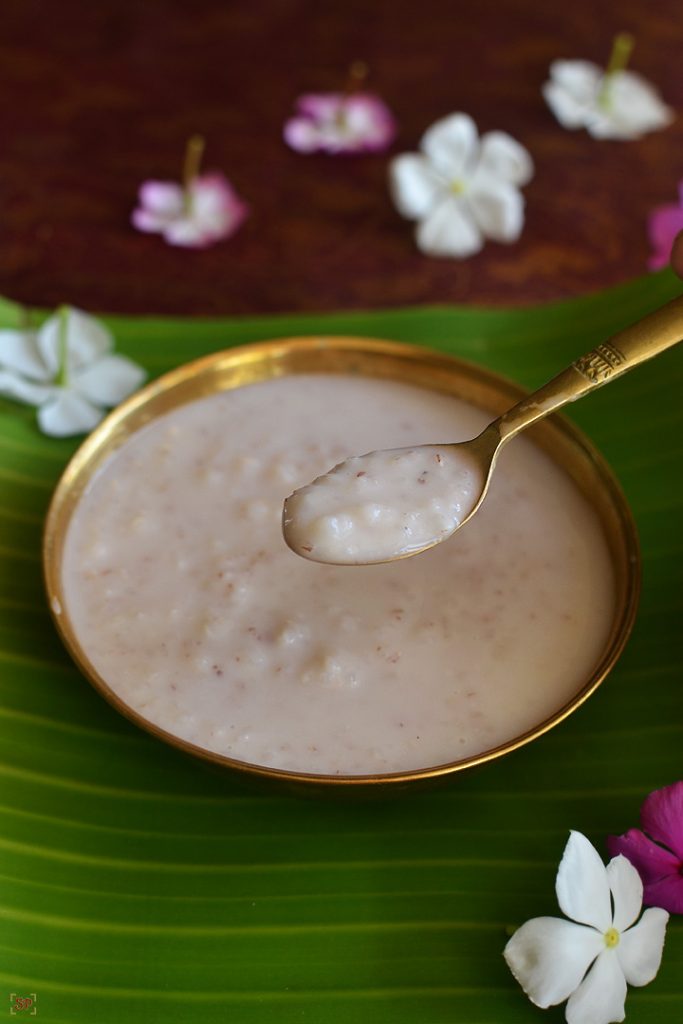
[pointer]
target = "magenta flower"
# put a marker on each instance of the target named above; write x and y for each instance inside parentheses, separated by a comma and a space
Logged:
(195, 214)
(664, 224)
(657, 851)
(337, 122)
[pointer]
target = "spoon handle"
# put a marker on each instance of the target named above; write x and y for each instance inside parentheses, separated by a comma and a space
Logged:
(643, 340)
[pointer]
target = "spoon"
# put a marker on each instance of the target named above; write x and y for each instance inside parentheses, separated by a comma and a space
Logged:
(396, 503)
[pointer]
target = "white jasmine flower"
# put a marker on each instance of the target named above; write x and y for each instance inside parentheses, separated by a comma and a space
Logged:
(590, 959)
(462, 189)
(68, 370)
(609, 104)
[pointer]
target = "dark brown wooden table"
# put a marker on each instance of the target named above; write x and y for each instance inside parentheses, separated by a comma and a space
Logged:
(97, 96)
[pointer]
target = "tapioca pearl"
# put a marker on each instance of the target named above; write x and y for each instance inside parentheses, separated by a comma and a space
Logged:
(257, 655)
(282, 471)
(216, 626)
(202, 663)
(332, 671)
(340, 525)
(257, 511)
(246, 465)
(213, 477)
(348, 623)
(373, 512)
(191, 729)
(96, 553)
(142, 524)
(293, 634)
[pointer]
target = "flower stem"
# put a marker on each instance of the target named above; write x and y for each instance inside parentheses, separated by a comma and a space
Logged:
(62, 378)
(622, 47)
(356, 78)
(194, 151)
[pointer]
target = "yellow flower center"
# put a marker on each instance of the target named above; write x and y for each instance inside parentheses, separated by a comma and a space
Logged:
(458, 187)
(611, 938)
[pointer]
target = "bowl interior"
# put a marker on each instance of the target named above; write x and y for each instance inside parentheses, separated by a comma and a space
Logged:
(369, 358)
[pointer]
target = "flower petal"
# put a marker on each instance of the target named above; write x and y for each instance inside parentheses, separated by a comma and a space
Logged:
(302, 134)
(580, 78)
(188, 234)
(19, 352)
(216, 207)
(600, 998)
(549, 957)
(633, 108)
(570, 112)
(151, 223)
(449, 230)
(503, 157)
(87, 340)
(415, 188)
(320, 106)
(651, 861)
(22, 390)
(68, 414)
(666, 893)
(497, 207)
(627, 892)
(164, 199)
(640, 948)
(582, 889)
(663, 225)
(109, 380)
(662, 817)
(572, 91)
(370, 123)
(452, 146)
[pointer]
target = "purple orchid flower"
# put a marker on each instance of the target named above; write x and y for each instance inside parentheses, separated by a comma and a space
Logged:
(337, 122)
(202, 210)
(657, 851)
(664, 224)
(206, 211)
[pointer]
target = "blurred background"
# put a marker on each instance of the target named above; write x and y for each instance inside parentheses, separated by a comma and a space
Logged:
(97, 97)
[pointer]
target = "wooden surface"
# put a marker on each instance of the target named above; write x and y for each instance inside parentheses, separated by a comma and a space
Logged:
(96, 97)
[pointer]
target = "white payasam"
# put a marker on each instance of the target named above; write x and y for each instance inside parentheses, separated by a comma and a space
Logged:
(185, 598)
(375, 507)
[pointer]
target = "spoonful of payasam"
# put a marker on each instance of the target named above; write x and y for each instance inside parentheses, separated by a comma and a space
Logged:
(395, 503)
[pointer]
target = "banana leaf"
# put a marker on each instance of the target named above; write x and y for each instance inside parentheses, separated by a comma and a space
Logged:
(137, 885)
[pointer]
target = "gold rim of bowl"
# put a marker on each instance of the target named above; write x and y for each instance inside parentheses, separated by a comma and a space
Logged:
(422, 367)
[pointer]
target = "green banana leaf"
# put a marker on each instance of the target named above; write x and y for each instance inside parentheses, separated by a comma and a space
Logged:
(136, 885)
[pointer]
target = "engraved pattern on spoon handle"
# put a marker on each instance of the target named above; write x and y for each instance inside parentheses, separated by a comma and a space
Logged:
(607, 361)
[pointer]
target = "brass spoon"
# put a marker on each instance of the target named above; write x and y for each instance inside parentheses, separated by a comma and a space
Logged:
(643, 340)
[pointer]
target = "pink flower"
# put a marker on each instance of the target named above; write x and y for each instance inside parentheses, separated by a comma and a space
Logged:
(337, 122)
(664, 224)
(204, 212)
(657, 851)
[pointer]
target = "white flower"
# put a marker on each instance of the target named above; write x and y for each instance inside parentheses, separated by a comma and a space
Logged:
(609, 104)
(462, 189)
(67, 369)
(550, 957)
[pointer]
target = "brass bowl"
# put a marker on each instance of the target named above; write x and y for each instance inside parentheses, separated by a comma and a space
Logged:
(372, 358)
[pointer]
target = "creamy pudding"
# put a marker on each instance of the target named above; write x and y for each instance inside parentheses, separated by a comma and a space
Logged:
(383, 505)
(189, 604)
